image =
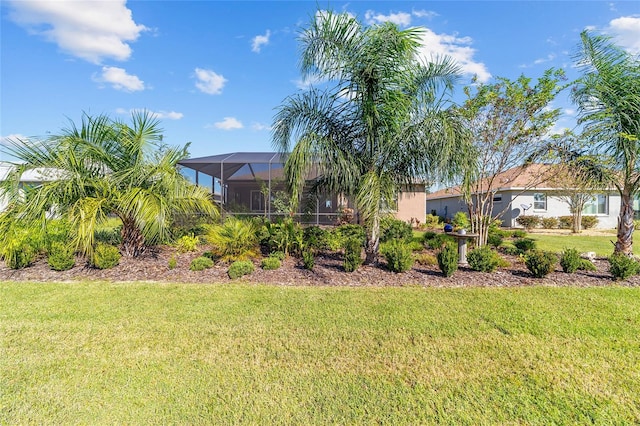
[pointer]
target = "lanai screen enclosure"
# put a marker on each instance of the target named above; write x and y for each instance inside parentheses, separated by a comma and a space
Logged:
(248, 183)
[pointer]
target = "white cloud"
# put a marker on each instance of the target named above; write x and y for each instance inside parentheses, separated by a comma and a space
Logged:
(162, 115)
(209, 82)
(91, 30)
(424, 14)
(550, 57)
(401, 19)
(13, 137)
(260, 40)
(570, 112)
(458, 48)
(626, 32)
(308, 82)
(229, 123)
(119, 79)
(260, 127)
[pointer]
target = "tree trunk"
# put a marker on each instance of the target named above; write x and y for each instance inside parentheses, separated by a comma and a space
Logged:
(577, 222)
(373, 243)
(624, 244)
(132, 239)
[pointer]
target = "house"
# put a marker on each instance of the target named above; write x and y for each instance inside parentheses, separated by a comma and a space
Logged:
(29, 178)
(533, 191)
(252, 183)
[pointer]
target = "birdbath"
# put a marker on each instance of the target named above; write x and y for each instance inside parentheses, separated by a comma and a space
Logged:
(462, 238)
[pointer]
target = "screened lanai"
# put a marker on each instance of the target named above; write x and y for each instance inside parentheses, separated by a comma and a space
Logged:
(252, 183)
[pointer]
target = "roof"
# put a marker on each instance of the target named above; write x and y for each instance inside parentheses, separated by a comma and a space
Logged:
(516, 178)
(223, 166)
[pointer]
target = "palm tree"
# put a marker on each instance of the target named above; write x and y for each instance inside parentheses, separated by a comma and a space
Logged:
(106, 167)
(608, 97)
(380, 123)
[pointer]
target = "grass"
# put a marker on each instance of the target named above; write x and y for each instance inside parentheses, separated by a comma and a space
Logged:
(101, 353)
(600, 244)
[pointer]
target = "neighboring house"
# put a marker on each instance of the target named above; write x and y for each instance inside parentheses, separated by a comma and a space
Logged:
(250, 183)
(515, 192)
(29, 178)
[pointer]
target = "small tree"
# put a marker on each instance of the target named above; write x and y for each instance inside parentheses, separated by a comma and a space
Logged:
(510, 121)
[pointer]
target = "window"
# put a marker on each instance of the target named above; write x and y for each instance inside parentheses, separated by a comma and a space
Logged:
(257, 201)
(497, 198)
(597, 205)
(539, 201)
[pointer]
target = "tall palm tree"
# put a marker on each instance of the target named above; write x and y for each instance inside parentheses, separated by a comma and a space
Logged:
(106, 167)
(608, 97)
(379, 124)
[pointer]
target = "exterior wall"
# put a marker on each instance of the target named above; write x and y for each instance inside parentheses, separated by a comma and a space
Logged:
(412, 204)
(513, 200)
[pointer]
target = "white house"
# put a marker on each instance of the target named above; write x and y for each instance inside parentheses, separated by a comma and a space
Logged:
(514, 194)
(31, 177)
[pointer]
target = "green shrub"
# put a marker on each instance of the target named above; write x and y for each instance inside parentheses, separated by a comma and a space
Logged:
(394, 229)
(565, 222)
(278, 255)
(19, 255)
(448, 259)
(105, 256)
(437, 240)
(570, 260)
(511, 250)
(518, 233)
(528, 222)
(398, 255)
(240, 268)
(349, 232)
(19, 243)
(425, 259)
(540, 263)
(200, 264)
(622, 266)
(173, 262)
(587, 265)
(549, 222)
(109, 235)
(352, 254)
(315, 237)
(60, 256)
(461, 221)
(432, 221)
(495, 239)
(588, 222)
(211, 255)
(270, 263)
(483, 259)
(286, 236)
(308, 259)
(57, 231)
(187, 243)
(524, 244)
(235, 239)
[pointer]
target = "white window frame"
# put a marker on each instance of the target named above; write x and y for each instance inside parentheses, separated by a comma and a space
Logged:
(538, 209)
(597, 205)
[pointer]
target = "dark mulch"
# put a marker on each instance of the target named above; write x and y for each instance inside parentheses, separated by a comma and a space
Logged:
(328, 271)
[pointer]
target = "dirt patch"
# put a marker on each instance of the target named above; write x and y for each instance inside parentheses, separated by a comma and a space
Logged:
(328, 271)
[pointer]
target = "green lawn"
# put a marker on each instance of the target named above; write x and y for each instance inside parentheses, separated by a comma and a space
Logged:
(601, 244)
(101, 353)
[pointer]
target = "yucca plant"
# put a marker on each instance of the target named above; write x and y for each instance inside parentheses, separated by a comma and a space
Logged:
(235, 239)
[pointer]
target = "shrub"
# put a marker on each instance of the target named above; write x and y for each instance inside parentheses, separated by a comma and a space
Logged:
(398, 255)
(570, 260)
(57, 231)
(432, 221)
(588, 222)
(437, 240)
(448, 259)
(565, 222)
(483, 259)
(308, 259)
(60, 256)
(173, 262)
(622, 266)
(200, 264)
(425, 259)
(549, 222)
(352, 254)
(415, 245)
(105, 256)
(211, 255)
(240, 268)
(528, 222)
(586, 265)
(315, 237)
(495, 239)
(270, 263)
(286, 236)
(109, 235)
(278, 255)
(187, 243)
(511, 250)
(19, 242)
(349, 231)
(519, 233)
(19, 254)
(394, 229)
(460, 221)
(235, 239)
(524, 244)
(540, 263)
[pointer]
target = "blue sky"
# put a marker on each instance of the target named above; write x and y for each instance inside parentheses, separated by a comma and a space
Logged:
(215, 71)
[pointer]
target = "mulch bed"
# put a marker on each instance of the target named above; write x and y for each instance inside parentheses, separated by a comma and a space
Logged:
(328, 271)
